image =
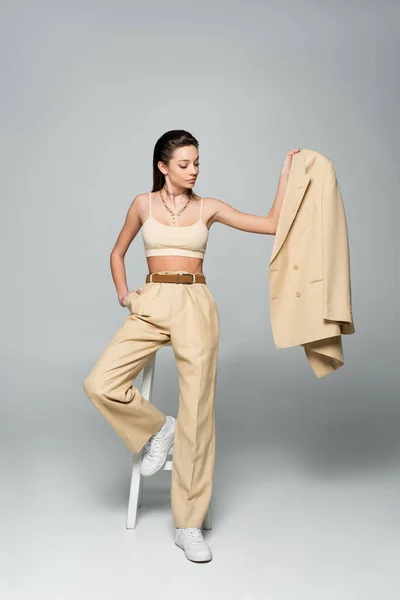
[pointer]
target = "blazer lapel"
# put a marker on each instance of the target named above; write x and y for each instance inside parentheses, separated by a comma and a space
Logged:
(298, 181)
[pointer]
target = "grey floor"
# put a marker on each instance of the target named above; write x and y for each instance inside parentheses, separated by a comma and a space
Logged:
(305, 501)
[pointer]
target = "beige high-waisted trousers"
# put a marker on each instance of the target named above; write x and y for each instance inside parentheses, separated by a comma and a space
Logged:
(186, 315)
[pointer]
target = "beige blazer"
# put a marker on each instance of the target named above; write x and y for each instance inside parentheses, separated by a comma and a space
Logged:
(309, 269)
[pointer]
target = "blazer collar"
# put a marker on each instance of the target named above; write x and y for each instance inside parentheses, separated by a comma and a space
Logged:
(297, 183)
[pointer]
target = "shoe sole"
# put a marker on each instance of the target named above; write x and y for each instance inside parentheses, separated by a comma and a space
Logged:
(164, 461)
(197, 559)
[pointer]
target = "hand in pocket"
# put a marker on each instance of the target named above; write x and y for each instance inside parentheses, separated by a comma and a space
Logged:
(126, 299)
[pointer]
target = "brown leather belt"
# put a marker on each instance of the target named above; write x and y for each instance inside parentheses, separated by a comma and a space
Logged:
(176, 278)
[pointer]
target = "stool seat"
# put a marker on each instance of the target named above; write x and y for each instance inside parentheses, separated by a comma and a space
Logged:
(135, 492)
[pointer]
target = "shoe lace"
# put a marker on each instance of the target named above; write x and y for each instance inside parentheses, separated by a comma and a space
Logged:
(153, 444)
(195, 535)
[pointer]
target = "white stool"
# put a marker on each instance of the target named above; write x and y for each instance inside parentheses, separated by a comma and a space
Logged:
(135, 493)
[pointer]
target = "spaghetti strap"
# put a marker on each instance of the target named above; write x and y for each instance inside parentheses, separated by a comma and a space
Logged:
(201, 209)
(150, 203)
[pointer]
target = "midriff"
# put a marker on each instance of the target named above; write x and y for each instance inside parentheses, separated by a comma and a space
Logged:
(174, 263)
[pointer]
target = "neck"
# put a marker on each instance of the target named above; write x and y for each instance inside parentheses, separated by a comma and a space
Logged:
(176, 196)
(174, 191)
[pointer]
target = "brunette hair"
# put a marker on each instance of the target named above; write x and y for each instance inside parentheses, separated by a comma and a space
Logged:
(164, 150)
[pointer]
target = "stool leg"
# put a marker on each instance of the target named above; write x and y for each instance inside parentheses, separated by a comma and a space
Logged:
(146, 391)
(139, 502)
(135, 492)
(148, 378)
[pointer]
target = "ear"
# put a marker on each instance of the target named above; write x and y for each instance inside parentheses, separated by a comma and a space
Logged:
(162, 167)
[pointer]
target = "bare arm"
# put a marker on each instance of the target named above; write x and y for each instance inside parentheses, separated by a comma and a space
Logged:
(225, 213)
(127, 234)
(277, 204)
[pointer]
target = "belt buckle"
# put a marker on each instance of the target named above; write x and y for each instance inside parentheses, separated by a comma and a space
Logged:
(186, 282)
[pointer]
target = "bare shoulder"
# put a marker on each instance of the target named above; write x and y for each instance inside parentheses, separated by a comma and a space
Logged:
(139, 206)
(139, 200)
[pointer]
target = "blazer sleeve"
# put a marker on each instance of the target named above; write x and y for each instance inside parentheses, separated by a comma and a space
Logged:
(335, 252)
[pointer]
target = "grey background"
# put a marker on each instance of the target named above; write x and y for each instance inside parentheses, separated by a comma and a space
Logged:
(306, 490)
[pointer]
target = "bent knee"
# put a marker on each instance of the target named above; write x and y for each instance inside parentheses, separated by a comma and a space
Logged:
(92, 386)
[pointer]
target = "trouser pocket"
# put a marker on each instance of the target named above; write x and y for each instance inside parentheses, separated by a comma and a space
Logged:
(133, 297)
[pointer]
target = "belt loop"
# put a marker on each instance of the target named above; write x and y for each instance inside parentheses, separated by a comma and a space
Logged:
(151, 277)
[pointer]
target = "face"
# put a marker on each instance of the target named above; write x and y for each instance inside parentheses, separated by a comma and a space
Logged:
(183, 167)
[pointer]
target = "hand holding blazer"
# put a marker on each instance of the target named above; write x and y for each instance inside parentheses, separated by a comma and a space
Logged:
(309, 268)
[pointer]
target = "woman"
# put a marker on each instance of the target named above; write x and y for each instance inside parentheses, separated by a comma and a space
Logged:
(175, 223)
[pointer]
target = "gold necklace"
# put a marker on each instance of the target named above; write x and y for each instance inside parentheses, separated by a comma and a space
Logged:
(170, 211)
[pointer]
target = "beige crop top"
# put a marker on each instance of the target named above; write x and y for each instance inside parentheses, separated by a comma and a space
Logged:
(170, 240)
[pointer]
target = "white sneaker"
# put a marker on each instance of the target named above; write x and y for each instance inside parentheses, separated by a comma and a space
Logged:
(191, 540)
(155, 450)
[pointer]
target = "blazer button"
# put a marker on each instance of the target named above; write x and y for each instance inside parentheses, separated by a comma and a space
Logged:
(297, 294)
(295, 266)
